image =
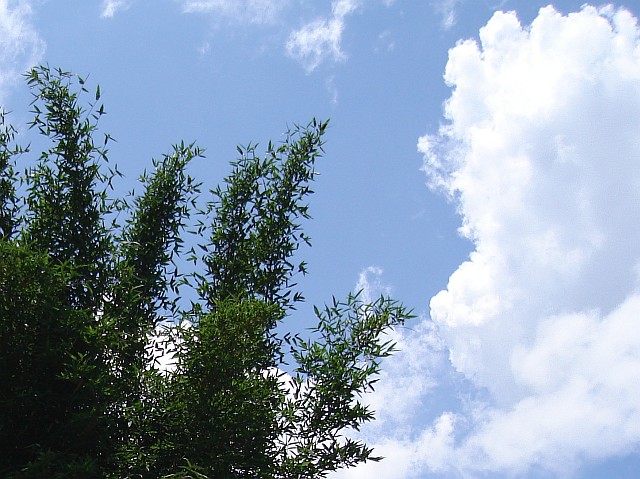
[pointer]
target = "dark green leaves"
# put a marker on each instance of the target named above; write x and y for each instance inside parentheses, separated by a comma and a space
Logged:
(55, 385)
(225, 393)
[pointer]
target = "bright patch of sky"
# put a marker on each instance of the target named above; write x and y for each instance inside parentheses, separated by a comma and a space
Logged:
(512, 229)
(20, 44)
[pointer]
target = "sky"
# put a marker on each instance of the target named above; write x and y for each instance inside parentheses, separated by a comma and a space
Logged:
(482, 166)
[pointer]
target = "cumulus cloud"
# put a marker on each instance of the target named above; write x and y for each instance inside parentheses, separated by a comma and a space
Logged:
(321, 39)
(111, 7)
(541, 156)
(252, 11)
(20, 45)
(540, 153)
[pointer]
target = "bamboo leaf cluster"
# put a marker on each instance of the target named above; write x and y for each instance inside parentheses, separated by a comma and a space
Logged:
(90, 312)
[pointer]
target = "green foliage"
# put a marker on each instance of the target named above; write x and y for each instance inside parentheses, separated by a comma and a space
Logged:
(256, 227)
(88, 308)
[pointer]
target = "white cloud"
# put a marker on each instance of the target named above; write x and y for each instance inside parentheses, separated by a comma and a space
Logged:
(321, 39)
(20, 45)
(406, 458)
(408, 376)
(111, 7)
(542, 157)
(251, 11)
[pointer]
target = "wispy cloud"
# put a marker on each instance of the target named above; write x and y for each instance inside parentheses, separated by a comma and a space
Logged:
(400, 433)
(385, 42)
(321, 39)
(20, 45)
(370, 285)
(540, 153)
(111, 7)
(250, 11)
(447, 10)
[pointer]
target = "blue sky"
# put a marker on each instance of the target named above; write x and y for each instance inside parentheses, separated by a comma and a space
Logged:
(482, 166)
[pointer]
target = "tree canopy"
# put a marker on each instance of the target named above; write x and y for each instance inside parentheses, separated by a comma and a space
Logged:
(89, 286)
